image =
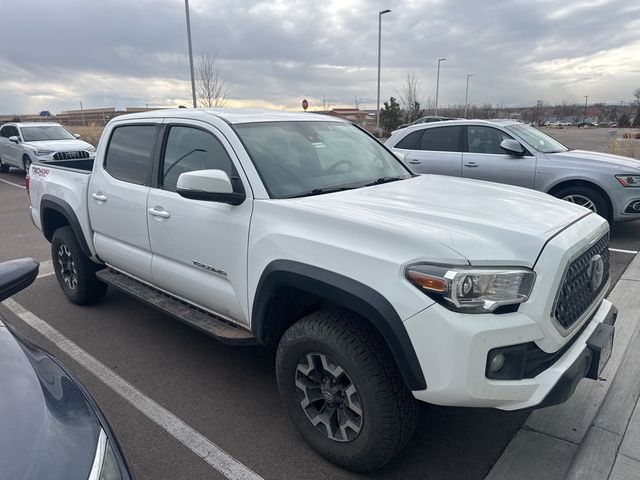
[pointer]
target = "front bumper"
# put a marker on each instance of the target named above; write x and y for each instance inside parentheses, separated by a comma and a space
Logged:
(454, 363)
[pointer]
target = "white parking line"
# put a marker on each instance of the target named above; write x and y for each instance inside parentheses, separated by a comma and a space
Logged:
(11, 183)
(620, 250)
(46, 269)
(194, 441)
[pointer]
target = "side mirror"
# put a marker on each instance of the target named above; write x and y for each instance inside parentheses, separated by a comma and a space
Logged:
(77, 135)
(14, 139)
(16, 275)
(512, 147)
(209, 185)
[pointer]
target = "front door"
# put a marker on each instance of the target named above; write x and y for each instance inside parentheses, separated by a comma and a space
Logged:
(486, 160)
(199, 247)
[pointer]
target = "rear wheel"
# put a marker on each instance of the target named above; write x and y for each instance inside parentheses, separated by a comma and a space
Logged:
(75, 272)
(343, 390)
(4, 168)
(26, 162)
(586, 197)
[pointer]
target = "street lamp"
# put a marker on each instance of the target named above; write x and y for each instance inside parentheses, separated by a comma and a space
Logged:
(193, 82)
(584, 117)
(466, 96)
(380, 13)
(438, 84)
(82, 113)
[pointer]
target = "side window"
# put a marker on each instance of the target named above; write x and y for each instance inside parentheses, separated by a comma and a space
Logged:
(188, 149)
(485, 140)
(411, 141)
(441, 139)
(4, 132)
(129, 154)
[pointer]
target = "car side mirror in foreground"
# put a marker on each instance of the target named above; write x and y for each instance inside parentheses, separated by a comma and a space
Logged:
(14, 139)
(209, 185)
(16, 275)
(512, 147)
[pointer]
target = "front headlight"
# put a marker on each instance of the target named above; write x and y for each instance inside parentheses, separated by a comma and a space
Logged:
(629, 180)
(90, 149)
(105, 465)
(43, 153)
(472, 290)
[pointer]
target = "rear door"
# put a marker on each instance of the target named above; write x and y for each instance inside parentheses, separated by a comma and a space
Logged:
(484, 159)
(438, 151)
(118, 198)
(199, 247)
(9, 151)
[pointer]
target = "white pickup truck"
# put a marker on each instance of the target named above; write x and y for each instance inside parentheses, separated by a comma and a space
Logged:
(379, 287)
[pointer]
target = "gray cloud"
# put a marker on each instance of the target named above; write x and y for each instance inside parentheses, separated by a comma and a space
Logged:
(117, 52)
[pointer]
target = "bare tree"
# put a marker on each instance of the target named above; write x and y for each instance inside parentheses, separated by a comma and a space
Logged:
(357, 103)
(410, 98)
(211, 89)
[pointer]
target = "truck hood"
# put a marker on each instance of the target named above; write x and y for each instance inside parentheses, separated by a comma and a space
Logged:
(485, 223)
(59, 145)
(626, 164)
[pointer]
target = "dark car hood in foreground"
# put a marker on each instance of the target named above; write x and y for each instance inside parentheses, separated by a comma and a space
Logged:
(48, 430)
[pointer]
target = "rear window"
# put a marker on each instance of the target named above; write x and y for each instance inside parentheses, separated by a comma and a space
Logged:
(129, 154)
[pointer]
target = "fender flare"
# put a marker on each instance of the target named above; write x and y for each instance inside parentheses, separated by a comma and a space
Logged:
(48, 203)
(344, 292)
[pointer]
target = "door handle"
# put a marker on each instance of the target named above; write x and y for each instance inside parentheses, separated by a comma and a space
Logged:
(99, 197)
(471, 164)
(414, 161)
(159, 212)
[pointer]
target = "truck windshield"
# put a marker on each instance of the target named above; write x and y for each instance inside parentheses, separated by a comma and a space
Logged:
(538, 140)
(296, 159)
(46, 132)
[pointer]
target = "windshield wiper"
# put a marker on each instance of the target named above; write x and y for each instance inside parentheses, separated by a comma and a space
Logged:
(319, 191)
(383, 180)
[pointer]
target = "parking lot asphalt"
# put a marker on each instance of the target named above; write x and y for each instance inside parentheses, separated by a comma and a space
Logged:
(227, 394)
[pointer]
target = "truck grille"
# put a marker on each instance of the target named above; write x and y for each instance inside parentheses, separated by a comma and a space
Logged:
(70, 155)
(578, 291)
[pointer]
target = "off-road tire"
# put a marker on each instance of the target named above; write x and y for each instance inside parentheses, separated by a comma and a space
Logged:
(389, 410)
(87, 289)
(597, 199)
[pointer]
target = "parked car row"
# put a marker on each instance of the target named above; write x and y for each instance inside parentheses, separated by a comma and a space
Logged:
(303, 232)
(513, 153)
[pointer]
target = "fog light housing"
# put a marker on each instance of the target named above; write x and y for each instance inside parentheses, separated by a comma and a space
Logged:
(506, 363)
(633, 207)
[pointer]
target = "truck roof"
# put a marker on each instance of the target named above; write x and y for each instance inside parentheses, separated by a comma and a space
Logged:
(232, 115)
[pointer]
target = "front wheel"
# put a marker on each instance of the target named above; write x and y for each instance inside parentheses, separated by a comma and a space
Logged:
(75, 272)
(343, 390)
(4, 168)
(586, 197)
(26, 162)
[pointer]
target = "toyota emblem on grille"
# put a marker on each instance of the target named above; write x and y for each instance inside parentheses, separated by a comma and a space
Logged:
(596, 271)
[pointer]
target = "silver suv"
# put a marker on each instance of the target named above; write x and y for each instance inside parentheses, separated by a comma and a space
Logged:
(518, 154)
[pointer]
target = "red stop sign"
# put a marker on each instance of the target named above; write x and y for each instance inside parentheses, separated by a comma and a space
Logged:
(305, 104)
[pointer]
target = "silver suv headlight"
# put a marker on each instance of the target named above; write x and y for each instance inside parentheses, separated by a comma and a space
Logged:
(43, 153)
(472, 290)
(105, 465)
(90, 149)
(629, 180)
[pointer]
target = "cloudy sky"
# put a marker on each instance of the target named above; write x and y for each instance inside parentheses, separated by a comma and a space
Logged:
(274, 53)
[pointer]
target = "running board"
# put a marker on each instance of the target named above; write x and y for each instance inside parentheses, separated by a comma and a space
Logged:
(208, 323)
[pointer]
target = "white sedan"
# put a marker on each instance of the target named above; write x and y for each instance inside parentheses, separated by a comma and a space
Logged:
(23, 143)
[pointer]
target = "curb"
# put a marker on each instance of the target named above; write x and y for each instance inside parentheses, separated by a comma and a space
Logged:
(580, 438)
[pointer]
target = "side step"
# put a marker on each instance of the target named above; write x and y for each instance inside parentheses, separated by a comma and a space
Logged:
(208, 323)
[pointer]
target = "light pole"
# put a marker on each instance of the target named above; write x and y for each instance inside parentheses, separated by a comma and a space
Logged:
(584, 117)
(380, 13)
(193, 82)
(82, 113)
(466, 96)
(438, 84)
